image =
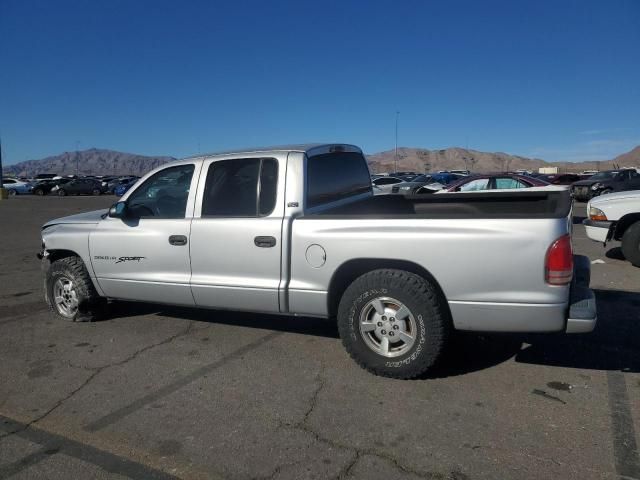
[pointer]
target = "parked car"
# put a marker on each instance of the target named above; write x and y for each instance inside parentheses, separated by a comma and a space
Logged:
(124, 186)
(16, 187)
(78, 186)
(298, 231)
(44, 187)
(616, 216)
(561, 178)
(384, 185)
(108, 183)
(606, 182)
(439, 181)
(410, 184)
(498, 181)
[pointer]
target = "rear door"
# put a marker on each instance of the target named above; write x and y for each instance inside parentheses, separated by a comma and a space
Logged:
(236, 234)
(146, 255)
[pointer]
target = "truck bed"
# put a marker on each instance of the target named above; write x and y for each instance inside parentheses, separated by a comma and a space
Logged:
(538, 204)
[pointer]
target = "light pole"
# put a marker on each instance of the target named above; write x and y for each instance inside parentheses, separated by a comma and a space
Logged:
(396, 161)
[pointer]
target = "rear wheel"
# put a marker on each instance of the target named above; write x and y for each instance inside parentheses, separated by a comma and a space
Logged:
(39, 192)
(70, 292)
(631, 244)
(393, 323)
(12, 192)
(96, 191)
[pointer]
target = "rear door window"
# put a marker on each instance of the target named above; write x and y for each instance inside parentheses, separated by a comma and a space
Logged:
(245, 187)
(506, 183)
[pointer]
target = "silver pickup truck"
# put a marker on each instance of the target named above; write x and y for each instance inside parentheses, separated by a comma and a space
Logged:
(297, 231)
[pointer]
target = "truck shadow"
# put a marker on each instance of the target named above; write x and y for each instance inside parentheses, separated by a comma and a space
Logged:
(318, 327)
(613, 345)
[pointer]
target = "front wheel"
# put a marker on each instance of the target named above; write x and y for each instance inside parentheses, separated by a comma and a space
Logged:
(39, 192)
(393, 323)
(61, 193)
(70, 292)
(96, 191)
(631, 244)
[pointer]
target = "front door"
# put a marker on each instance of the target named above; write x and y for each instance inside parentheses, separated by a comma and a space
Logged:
(145, 256)
(236, 235)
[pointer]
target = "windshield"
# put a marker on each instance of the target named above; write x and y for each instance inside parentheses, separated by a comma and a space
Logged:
(422, 178)
(603, 176)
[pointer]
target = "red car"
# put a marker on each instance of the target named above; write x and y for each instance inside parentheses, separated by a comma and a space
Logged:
(493, 181)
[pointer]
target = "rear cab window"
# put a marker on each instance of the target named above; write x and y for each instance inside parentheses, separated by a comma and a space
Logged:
(336, 176)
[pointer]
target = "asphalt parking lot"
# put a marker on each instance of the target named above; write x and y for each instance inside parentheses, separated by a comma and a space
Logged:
(158, 392)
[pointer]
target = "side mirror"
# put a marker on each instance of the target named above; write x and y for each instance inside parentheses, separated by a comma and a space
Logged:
(118, 210)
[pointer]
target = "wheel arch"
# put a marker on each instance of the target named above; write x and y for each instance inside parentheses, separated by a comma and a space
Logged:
(55, 254)
(58, 254)
(624, 223)
(346, 273)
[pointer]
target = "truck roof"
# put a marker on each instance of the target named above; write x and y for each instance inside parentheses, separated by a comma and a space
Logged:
(303, 148)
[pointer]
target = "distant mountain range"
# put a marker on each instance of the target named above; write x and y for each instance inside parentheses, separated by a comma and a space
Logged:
(94, 161)
(109, 162)
(420, 160)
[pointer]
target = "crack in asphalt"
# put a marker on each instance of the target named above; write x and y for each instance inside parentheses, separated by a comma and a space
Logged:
(314, 398)
(303, 425)
(94, 372)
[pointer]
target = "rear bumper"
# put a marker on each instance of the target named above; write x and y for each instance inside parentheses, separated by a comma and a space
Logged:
(577, 315)
(582, 315)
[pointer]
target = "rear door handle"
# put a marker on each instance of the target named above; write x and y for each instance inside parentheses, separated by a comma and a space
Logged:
(265, 242)
(178, 240)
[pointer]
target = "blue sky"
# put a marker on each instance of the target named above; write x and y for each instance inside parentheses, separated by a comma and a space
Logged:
(555, 79)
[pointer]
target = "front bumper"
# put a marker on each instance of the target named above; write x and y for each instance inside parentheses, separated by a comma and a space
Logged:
(597, 230)
(582, 313)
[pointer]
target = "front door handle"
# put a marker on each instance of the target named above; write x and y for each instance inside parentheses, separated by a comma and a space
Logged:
(265, 242)
(178, 240)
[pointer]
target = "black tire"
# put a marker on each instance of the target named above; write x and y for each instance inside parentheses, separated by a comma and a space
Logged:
(38, 191)
(606, 191)
(61, 193)
(12, 192)
(96, 191)
(631, 244)
(426, 306)
(90, 306)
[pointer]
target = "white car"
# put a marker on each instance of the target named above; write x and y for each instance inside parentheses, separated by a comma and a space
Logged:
(616, 216)
(16, 187)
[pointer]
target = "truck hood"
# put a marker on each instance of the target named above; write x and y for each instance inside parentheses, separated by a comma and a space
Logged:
(80, 218)
(629, 194)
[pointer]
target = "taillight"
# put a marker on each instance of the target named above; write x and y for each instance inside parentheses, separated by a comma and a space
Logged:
(558, 264)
